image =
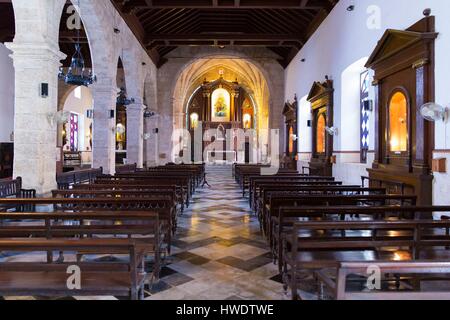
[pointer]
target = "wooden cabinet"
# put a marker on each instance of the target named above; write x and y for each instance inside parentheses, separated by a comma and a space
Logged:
(321, 98)
(403, 63)
(291, 134)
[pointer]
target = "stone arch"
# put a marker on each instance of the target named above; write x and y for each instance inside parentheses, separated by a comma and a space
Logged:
(97, 24)
(251, 77)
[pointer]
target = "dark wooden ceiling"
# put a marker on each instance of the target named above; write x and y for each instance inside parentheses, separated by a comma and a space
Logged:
(283, 26)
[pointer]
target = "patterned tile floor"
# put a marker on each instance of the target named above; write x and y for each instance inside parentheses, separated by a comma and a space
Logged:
(218, 253)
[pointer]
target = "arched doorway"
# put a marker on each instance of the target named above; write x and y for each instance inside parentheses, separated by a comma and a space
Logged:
(74, 137)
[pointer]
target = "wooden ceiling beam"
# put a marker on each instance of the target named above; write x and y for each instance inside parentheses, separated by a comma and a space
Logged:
(223, 36)
(130, 5)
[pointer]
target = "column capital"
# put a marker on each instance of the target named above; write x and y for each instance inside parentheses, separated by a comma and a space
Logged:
(37, 50)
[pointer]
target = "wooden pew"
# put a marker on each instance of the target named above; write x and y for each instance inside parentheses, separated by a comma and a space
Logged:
(244, 181)
(181, 182)
(68, 179)
(132, 188)
(165, 208)
(238, 168)
(162, 201)
(257, 182)
(419, 270)
(145, 225)
(31, 278)
(12, 188)
(282, 212)
(198, 170)
(188, 176)
(320, 245)
(267, 191)
(126, 168)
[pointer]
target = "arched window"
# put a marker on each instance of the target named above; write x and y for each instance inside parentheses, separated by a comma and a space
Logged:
(398, 123)
(321, 124)
(194, 120)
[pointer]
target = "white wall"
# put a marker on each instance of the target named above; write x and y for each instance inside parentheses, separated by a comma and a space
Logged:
(345, 37)
(80, 105)
(6, 94)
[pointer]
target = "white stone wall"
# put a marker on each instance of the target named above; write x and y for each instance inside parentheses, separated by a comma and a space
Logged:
(343, 39)
(6, 95)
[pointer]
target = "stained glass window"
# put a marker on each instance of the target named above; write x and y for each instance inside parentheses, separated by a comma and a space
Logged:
(73, 132)
(365, 129)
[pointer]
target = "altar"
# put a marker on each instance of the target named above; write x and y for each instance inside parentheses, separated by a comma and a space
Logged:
(220, 107)
(221, 157)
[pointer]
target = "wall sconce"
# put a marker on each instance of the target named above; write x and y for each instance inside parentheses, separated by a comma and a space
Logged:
(368, 105)
(333, 131)
(43, 90)
(148, 113)
(90, 114)
(294, 137)
(59, 117)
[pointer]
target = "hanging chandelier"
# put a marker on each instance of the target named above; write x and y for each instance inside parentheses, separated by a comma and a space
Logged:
(77, 75)
(122, 99)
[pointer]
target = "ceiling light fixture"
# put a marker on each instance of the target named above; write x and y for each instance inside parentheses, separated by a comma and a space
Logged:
(76, 75)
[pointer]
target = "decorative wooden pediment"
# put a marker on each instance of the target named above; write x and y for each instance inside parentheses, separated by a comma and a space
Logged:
(221, 83)
(320, 89)
(290, 109)
(396, 41)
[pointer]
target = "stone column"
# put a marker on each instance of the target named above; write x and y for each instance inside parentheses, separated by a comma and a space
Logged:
(35, 127)
(37, 59)
(135, 132)
(104, 128)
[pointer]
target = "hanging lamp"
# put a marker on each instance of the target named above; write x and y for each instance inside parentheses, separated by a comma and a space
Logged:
(77, 75)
